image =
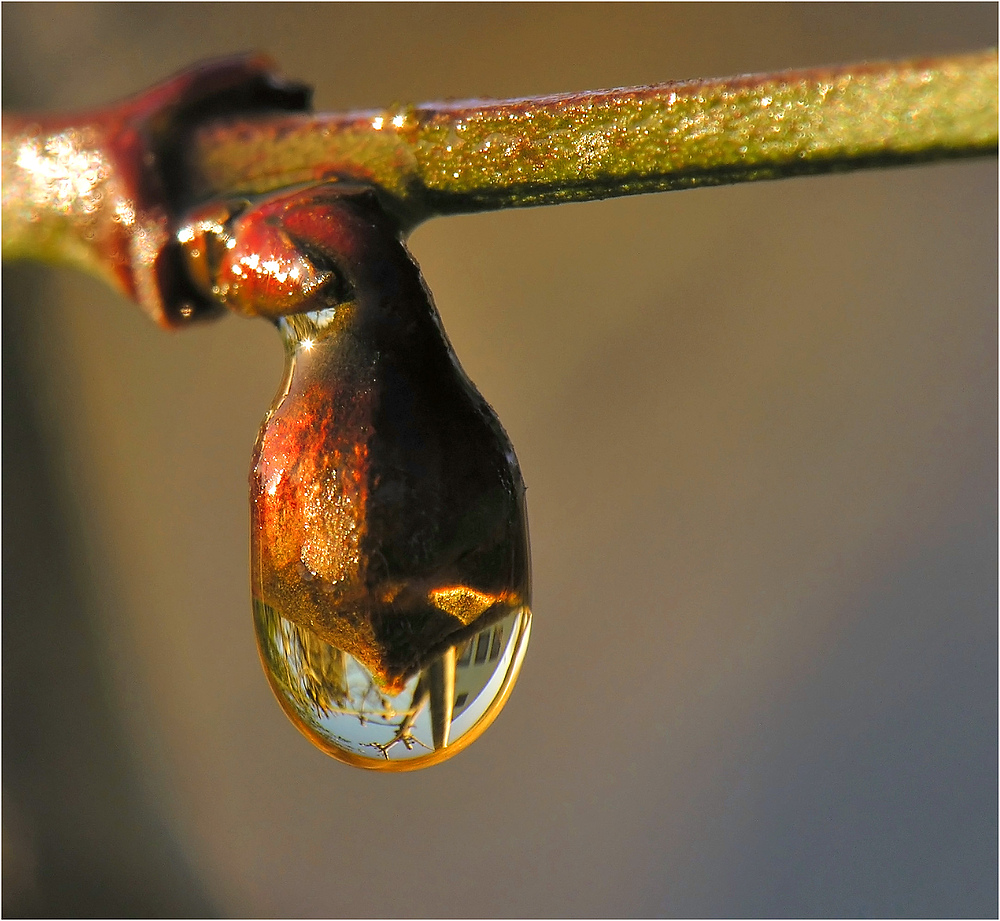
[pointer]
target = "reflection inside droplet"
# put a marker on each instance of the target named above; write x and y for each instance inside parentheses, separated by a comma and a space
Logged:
(390, 567)
(349, 713)
(389, 549)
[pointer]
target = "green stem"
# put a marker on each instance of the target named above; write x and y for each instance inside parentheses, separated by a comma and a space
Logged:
(108, 191)
(478, 156)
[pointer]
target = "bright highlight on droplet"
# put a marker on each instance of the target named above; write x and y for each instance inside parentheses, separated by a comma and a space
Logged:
(462, 602)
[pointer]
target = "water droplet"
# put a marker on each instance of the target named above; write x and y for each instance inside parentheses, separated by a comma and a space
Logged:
(389, 542)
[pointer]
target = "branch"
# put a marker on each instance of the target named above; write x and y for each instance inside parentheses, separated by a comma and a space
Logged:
(478, 156)
(109, 191)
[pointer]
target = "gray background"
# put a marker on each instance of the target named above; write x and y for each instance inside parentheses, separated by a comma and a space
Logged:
(758, 426)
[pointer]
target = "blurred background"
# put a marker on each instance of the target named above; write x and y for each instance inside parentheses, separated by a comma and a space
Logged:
(758, 427)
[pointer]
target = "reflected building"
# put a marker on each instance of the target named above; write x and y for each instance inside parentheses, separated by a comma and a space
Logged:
(474, 663)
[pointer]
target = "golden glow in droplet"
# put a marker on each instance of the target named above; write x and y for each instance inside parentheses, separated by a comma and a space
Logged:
(462, 602)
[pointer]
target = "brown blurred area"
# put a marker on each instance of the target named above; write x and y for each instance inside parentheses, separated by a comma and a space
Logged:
(758, 427)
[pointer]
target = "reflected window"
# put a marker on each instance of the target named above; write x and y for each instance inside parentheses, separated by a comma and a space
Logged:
(497, 641)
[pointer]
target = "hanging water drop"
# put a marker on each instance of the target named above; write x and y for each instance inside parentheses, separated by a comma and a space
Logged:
(389, 543)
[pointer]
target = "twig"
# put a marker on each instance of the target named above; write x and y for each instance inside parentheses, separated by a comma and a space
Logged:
(109, 191)
(478, 156)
